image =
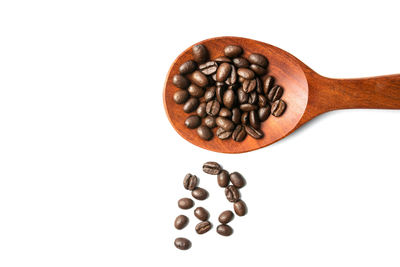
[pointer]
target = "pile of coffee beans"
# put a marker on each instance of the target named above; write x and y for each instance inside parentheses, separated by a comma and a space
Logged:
(231, 93)
(231, 182)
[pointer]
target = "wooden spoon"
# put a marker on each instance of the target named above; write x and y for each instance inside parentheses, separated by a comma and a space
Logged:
(307, 94)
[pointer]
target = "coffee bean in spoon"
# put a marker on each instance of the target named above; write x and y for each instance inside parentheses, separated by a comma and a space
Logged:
(278, 108)
(200, 53)
(223, 134)
(205, 133)
(187, 67)
(191, 105)
(181, 96)
(180, 81)
(233, 51)
(201, 110)
(210, 122)
(239, 134)
(258, 59)
(193, 121)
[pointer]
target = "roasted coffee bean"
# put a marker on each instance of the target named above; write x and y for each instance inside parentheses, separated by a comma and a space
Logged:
(182, 243)
(243, 97)
(259, 60)
(241, 79)
(275, 93)
(190, 181)
(225, 217)
(211, 167)
(200, 193)
(181, 96)
(268, 83)
(210, 93)
(264, 112)
(223, 59)
(223, 178)
(200, 53)
(185, 203)
(236, 115)
(248, 107)
(254, 120)
(213, 107)
(233, 51)
(257, 134)
(245, 73)
(229, 98)
(201, 110)
(201, 214)
(241, 62)
(223, 134)
(262, 101)
(191, 105)
(219, 93)
(245, 118)
(240, 208)
(232, 78)
(195, 90)
(188, 67)
(205, 133)
(203, 227)
(258, 69)
(249, 85)
(224, 230)
(278, 108)
(208, 68)
(237, 179)
(210, 122)
(193, 121)
(225, 123)
(181, 221)
(223, 72)
(253, 97)
(239, 134)
(180, 81)
(199, 78)
(231, 193)
(259, 86)
(224, 112)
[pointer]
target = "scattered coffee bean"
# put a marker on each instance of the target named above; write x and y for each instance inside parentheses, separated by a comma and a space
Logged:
(205, 133)
(193, 121)
(182, 243)
(200, 193)
(223, 134)
(201, 110)
(200, 53)
(224, 230)
(278, 108)
(203, 227)
(185, 203)
(237, 179)
(257, 134)
(181, 221)
(181, 96)
(223, 178)
(231, 193)
(275, 93)
(212, 167)
(180, 81)
(240, 208)
(225, 217)
(209, 121)
(190, 182)
(239, 134)
(201, 214)
(191, 105)
(259, 60)
(233, 51)
(187, 67)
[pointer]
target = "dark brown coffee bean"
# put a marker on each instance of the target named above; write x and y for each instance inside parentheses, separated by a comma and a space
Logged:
(182, 243)
(201, 110)
(208, 68)
(241, 62)
(190, 181)
(240, 208)
(223, 178)
(210, 94)
(258, 59)
(232, 78)
(191, 105)
(188, 67)
(264, 112)
(257, 134)
(239, 134)
(236, 115)
(278, 108)
(237, 179)
(200, 53)
(199, 78)
(225, 217)
(219, 93)
(253, 97)
(201, 214)
(181, 96)
(223, 134)
(211, 167)
(224, 112)
(193, 121)
(223, 59)
(262, 101)
(180, 81)
(229, 98)
(185, 203)
(254, 120)
(205, 133)
(249, 85)
(223, 72)
(181, 221)
(259, 86)
(233, 51)
(258, 69)
(268, 83)
(200, 193)
(243, 97)
(245, 73)
(224, 230)
(225, 123)
(248, 107)
(245, 118)
(231, 193)
(209, 121)
(275, 93)
(195, 90)
(203, 227)
(213, 107)
(241, 79)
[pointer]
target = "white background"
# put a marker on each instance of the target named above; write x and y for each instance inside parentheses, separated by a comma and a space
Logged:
(91, 169)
